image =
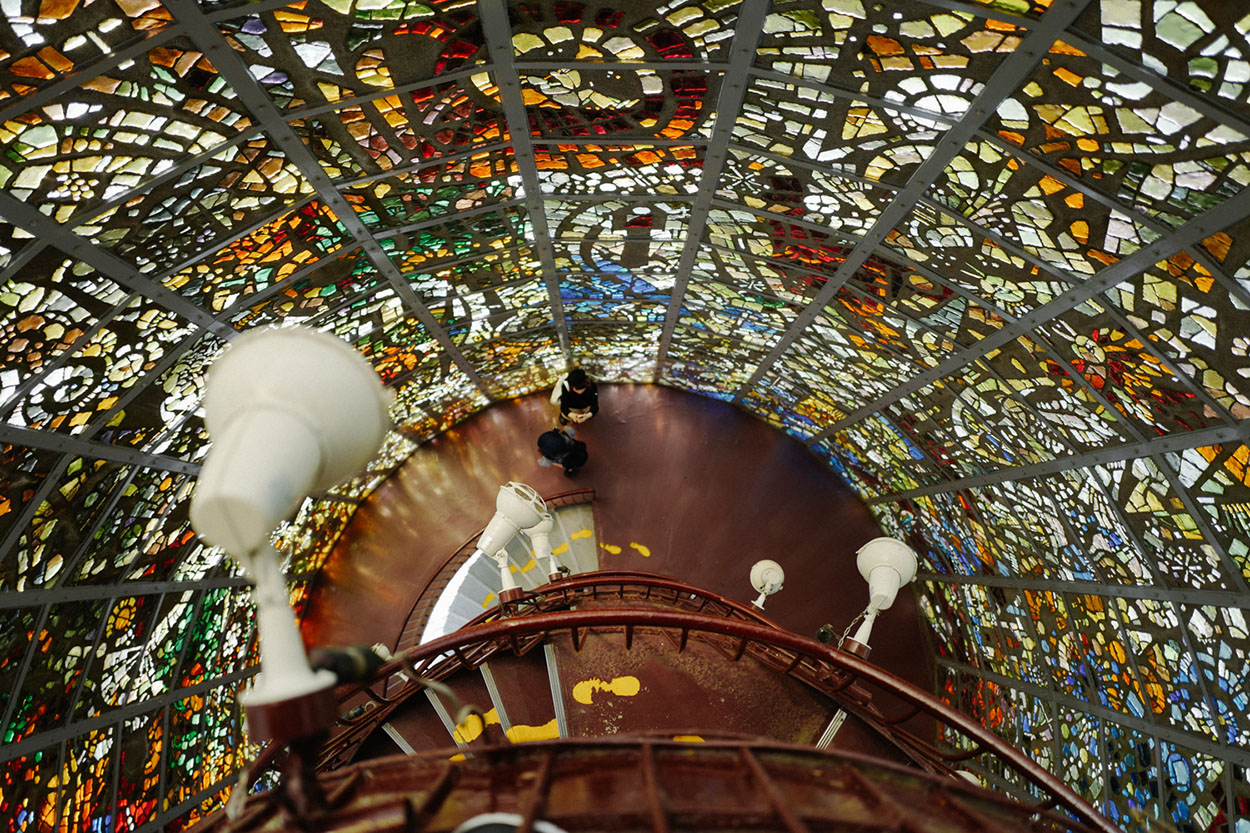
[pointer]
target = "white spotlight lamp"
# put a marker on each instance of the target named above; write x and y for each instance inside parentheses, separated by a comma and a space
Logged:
(290, 411)
(886, 564)
(517, 507)
(767, 578)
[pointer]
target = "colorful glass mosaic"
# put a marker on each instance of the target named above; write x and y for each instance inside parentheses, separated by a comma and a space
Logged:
(1023, 343)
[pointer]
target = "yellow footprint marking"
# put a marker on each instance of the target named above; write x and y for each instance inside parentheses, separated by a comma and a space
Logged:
(522, 733)
(612, 548)
(529, 565)
(473, 727)
(488, 601)
(584, 692)
(560, 550)
(644, 551)
(689, 738)
(581, 533)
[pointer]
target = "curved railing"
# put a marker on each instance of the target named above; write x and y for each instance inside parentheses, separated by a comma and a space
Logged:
(419, 613)
(618, 585)
(659, 785)
(832, 670)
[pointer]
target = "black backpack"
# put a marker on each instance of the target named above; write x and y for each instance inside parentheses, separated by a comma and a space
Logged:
(576, 456)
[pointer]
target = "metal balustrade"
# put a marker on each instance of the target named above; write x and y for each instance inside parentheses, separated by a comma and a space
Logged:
(545, 616)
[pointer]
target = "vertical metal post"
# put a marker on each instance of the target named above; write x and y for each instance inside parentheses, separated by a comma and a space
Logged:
(557, 694)
(496, 700)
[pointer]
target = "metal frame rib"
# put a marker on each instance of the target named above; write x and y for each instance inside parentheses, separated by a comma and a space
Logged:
(71, 444)
(497, 31)
(1192, 232)
(43, 740)
(1011, 74)
(108, 264)
(232, 68)
(1166, 733)
(1179, 441)
(750, 28)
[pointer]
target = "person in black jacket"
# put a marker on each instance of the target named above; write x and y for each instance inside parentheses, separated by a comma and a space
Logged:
(560, 449)
(577, 396)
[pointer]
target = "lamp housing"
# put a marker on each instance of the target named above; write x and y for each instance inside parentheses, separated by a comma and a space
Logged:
(517, 507)
(767, 578)
(886, 564)
(289, 411)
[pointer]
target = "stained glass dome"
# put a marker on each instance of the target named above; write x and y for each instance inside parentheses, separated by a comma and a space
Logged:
(989, 260)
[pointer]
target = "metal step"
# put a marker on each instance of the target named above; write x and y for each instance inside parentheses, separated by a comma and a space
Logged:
(575, 526)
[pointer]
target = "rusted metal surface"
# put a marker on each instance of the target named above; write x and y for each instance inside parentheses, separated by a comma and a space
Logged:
(621, 588)
(629, 784)
(653, 687)
(821, 666)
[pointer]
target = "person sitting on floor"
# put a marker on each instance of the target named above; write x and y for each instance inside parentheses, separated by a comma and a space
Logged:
(577, 396)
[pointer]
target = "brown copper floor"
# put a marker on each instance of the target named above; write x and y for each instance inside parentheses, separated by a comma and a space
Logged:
(703, 487)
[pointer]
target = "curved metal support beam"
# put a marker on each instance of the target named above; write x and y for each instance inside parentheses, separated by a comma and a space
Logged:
(72, 444)
(108, 264)
(43, 740)
(1225, 753)
(1010, 74)
(1178, 441)
(498, 33)
(232, 68)
(1192, 232)
(749, 30)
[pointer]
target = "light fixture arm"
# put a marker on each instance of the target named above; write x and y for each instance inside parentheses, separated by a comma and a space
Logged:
(767, 577)
(284, 669)
(887, 564)
(290, 411)
(540, 537)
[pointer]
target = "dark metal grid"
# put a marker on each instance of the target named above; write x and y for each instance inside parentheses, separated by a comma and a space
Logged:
(1013, 70)
(1103, 53)
(1161, 731)
(728, 107)
(231, 66)
(498, 34)
(1128, 451)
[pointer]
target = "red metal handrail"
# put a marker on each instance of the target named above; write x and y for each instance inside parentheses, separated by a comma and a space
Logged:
(440, 656)
(544, 599)
(857, 792)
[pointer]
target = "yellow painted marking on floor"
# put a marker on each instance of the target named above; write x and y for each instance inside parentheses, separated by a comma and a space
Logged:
(488, 601)
(581, 533)
(523, 734)
(473, 727)
(689, 738)
(560, 550)
(612, 548)
(459, 756)
(584, 692)
(644, 551)
(529, 565)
